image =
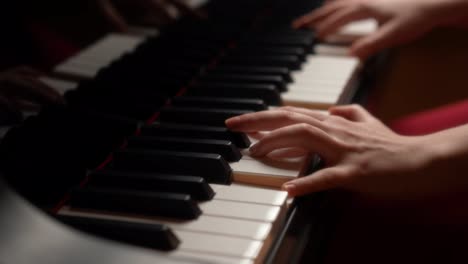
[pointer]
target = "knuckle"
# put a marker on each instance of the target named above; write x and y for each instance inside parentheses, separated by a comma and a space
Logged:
(330, 180)
(306, 129)
(287, 108)
(288, 115)
(355, 107)
(361, 168)
(332, 118)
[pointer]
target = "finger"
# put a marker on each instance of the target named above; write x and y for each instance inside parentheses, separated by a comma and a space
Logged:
(301, 136)
(352, 112)
(313, 17)
(25, 105)
(269, 120)
(44, 92)
(9, 113)
(322, 180)
(112, 15)
(28, 71)
(33, 89)
(386, 36)
(187, 10)
(257, 135)
(317, 114)
(340, 18)
(288, 153)
(160, 10)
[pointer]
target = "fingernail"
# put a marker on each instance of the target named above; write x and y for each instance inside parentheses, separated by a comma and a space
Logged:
(289, 187)
(253, 150)
(233, 121)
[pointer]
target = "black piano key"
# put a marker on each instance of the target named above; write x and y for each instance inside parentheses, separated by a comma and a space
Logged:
(268, 93)
(256, 50)
(222, 147)
(279, 41)
(124, 105)
(196, 187)
(275, 80)
(154, 236)
(285, 32)
(152, 204)
(200, 116)
(220, 102)
(212, 167)
(253, 70)
(191, 131)
(289, 61)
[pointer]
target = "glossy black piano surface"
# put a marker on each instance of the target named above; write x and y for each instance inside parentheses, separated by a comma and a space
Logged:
(31, 236)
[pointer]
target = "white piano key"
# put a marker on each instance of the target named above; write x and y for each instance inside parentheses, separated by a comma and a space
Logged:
(249, 194)
(225, 226)
(353, 31)
(319, 87)
(98, 55)
(238, 210)
(220, 225)
(220, 238)
(219, 245)
(59, 85)
(322, 81)
(69, 69)
(315, 99)
(331, 50)
(265, 171)
(209, 258)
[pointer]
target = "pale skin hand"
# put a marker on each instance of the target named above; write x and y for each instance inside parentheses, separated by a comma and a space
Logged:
(153, 12)
(21, 89)
(362, 154)
(401, 20)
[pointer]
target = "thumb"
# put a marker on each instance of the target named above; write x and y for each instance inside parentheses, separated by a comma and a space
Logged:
(321, 180)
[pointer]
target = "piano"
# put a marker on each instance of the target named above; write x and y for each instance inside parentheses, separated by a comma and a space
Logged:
(139, 154)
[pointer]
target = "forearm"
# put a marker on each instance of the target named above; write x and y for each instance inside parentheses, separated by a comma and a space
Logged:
(447, 158)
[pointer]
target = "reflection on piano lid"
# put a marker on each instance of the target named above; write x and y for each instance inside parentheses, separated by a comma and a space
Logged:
(30, 236)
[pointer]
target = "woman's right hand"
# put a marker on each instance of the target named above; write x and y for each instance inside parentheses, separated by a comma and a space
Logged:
(360, 153)
(401, 21)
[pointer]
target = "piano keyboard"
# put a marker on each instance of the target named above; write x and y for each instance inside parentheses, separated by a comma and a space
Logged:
(324, 80)
(353, 31)
(236, 226)
(177, 181)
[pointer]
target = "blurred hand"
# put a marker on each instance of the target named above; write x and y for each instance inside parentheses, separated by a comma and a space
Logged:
(21, 89)
(401, 20)
(149, 12)
(361, 154)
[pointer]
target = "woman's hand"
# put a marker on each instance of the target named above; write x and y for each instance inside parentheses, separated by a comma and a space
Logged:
(360, 153)
(152, 12)
(401, 20)
(21, 89)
